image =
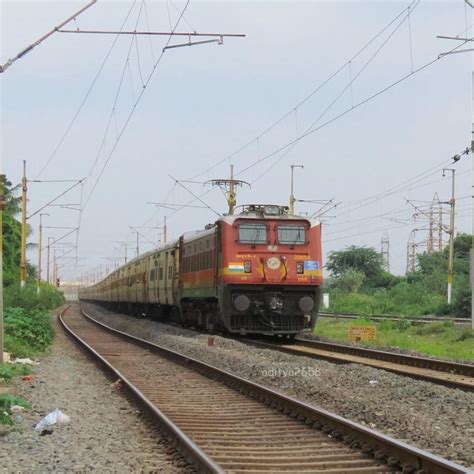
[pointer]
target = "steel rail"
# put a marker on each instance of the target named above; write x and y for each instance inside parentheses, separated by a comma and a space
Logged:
(453, 374)
(396, 454)
(405, 359)
(380, 317)
(187, 448)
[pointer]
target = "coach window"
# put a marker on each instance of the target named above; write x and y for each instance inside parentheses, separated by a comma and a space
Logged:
(253, 234)
(293, 234)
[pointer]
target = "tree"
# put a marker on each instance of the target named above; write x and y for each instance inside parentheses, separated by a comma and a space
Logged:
(11, 249)
(12, 236)
(432, 274)
(365, 260)
(12, 201)
(351, 280)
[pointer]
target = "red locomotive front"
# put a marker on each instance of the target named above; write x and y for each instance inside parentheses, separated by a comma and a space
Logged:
(270, 273)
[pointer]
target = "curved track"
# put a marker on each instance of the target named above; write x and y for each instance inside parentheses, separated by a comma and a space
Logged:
(222, 423)
(453, 374)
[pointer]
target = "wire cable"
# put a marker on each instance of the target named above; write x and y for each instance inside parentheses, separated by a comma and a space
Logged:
(334, 101)
(308, 96)
(89, 90)
(347, 111)
(127, 121)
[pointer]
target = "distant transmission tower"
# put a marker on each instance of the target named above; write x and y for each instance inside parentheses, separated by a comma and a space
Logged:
(385, 251)
(435, 228)
(411, 251)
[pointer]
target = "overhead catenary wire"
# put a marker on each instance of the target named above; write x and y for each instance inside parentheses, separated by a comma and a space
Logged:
(409, 185)
(334, 101)
(348, 110)
(86, 96)
(127, 121)
(115, 101)
(343, 113)
(308, 96)
(195, 196)
(259, 160)
(294, 109)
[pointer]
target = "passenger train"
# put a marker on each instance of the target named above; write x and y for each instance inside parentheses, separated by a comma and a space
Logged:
(255, 272)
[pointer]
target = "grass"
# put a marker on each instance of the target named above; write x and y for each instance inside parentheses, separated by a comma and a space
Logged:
(27, 331)
(441, 339)
(404, 299)
(8, 371)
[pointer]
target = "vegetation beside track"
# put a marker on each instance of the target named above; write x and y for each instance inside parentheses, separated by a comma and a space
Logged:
(27, 325)
(439, 339)
(6, 403)
(359, 284)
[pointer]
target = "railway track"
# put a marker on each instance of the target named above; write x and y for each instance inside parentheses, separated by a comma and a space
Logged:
(220, 422)
(453, 374)
(379, 318)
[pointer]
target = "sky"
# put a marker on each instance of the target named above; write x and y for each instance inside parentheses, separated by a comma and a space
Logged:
(207, 106)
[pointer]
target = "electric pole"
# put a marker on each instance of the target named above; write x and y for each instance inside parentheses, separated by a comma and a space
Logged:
(292, 196)
(385, 251)
(40, 244)
(48, 260)
(138, 241)
(54, 267)
(2, 208)
(472, 236)
(24, 189)
(452, 203)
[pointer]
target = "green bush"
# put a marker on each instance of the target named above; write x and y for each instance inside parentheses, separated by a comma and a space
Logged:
(465, 335)
(28, 297)
(402, 324)
(406, 299)
(433, 328)
(6, 403)
(8, 371)
(27, 331)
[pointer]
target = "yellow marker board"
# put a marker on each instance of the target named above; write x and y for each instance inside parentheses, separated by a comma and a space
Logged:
(362, 333)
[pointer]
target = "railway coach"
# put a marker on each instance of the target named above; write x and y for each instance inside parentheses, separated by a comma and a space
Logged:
(255, 272)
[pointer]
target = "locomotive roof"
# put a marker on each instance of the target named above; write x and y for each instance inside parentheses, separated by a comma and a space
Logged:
(230, 219)
(197, 234)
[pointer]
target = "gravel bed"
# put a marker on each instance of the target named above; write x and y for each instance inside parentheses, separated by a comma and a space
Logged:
(432, 417)
(106, 432)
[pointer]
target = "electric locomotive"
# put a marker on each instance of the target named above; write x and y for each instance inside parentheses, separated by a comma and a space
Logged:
(255, 272)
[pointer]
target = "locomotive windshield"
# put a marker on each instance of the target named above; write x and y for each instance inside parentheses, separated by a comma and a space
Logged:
(291, 234)
(253, 234)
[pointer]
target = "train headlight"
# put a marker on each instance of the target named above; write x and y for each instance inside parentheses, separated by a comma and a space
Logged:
(306, 304)
(242, 303)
